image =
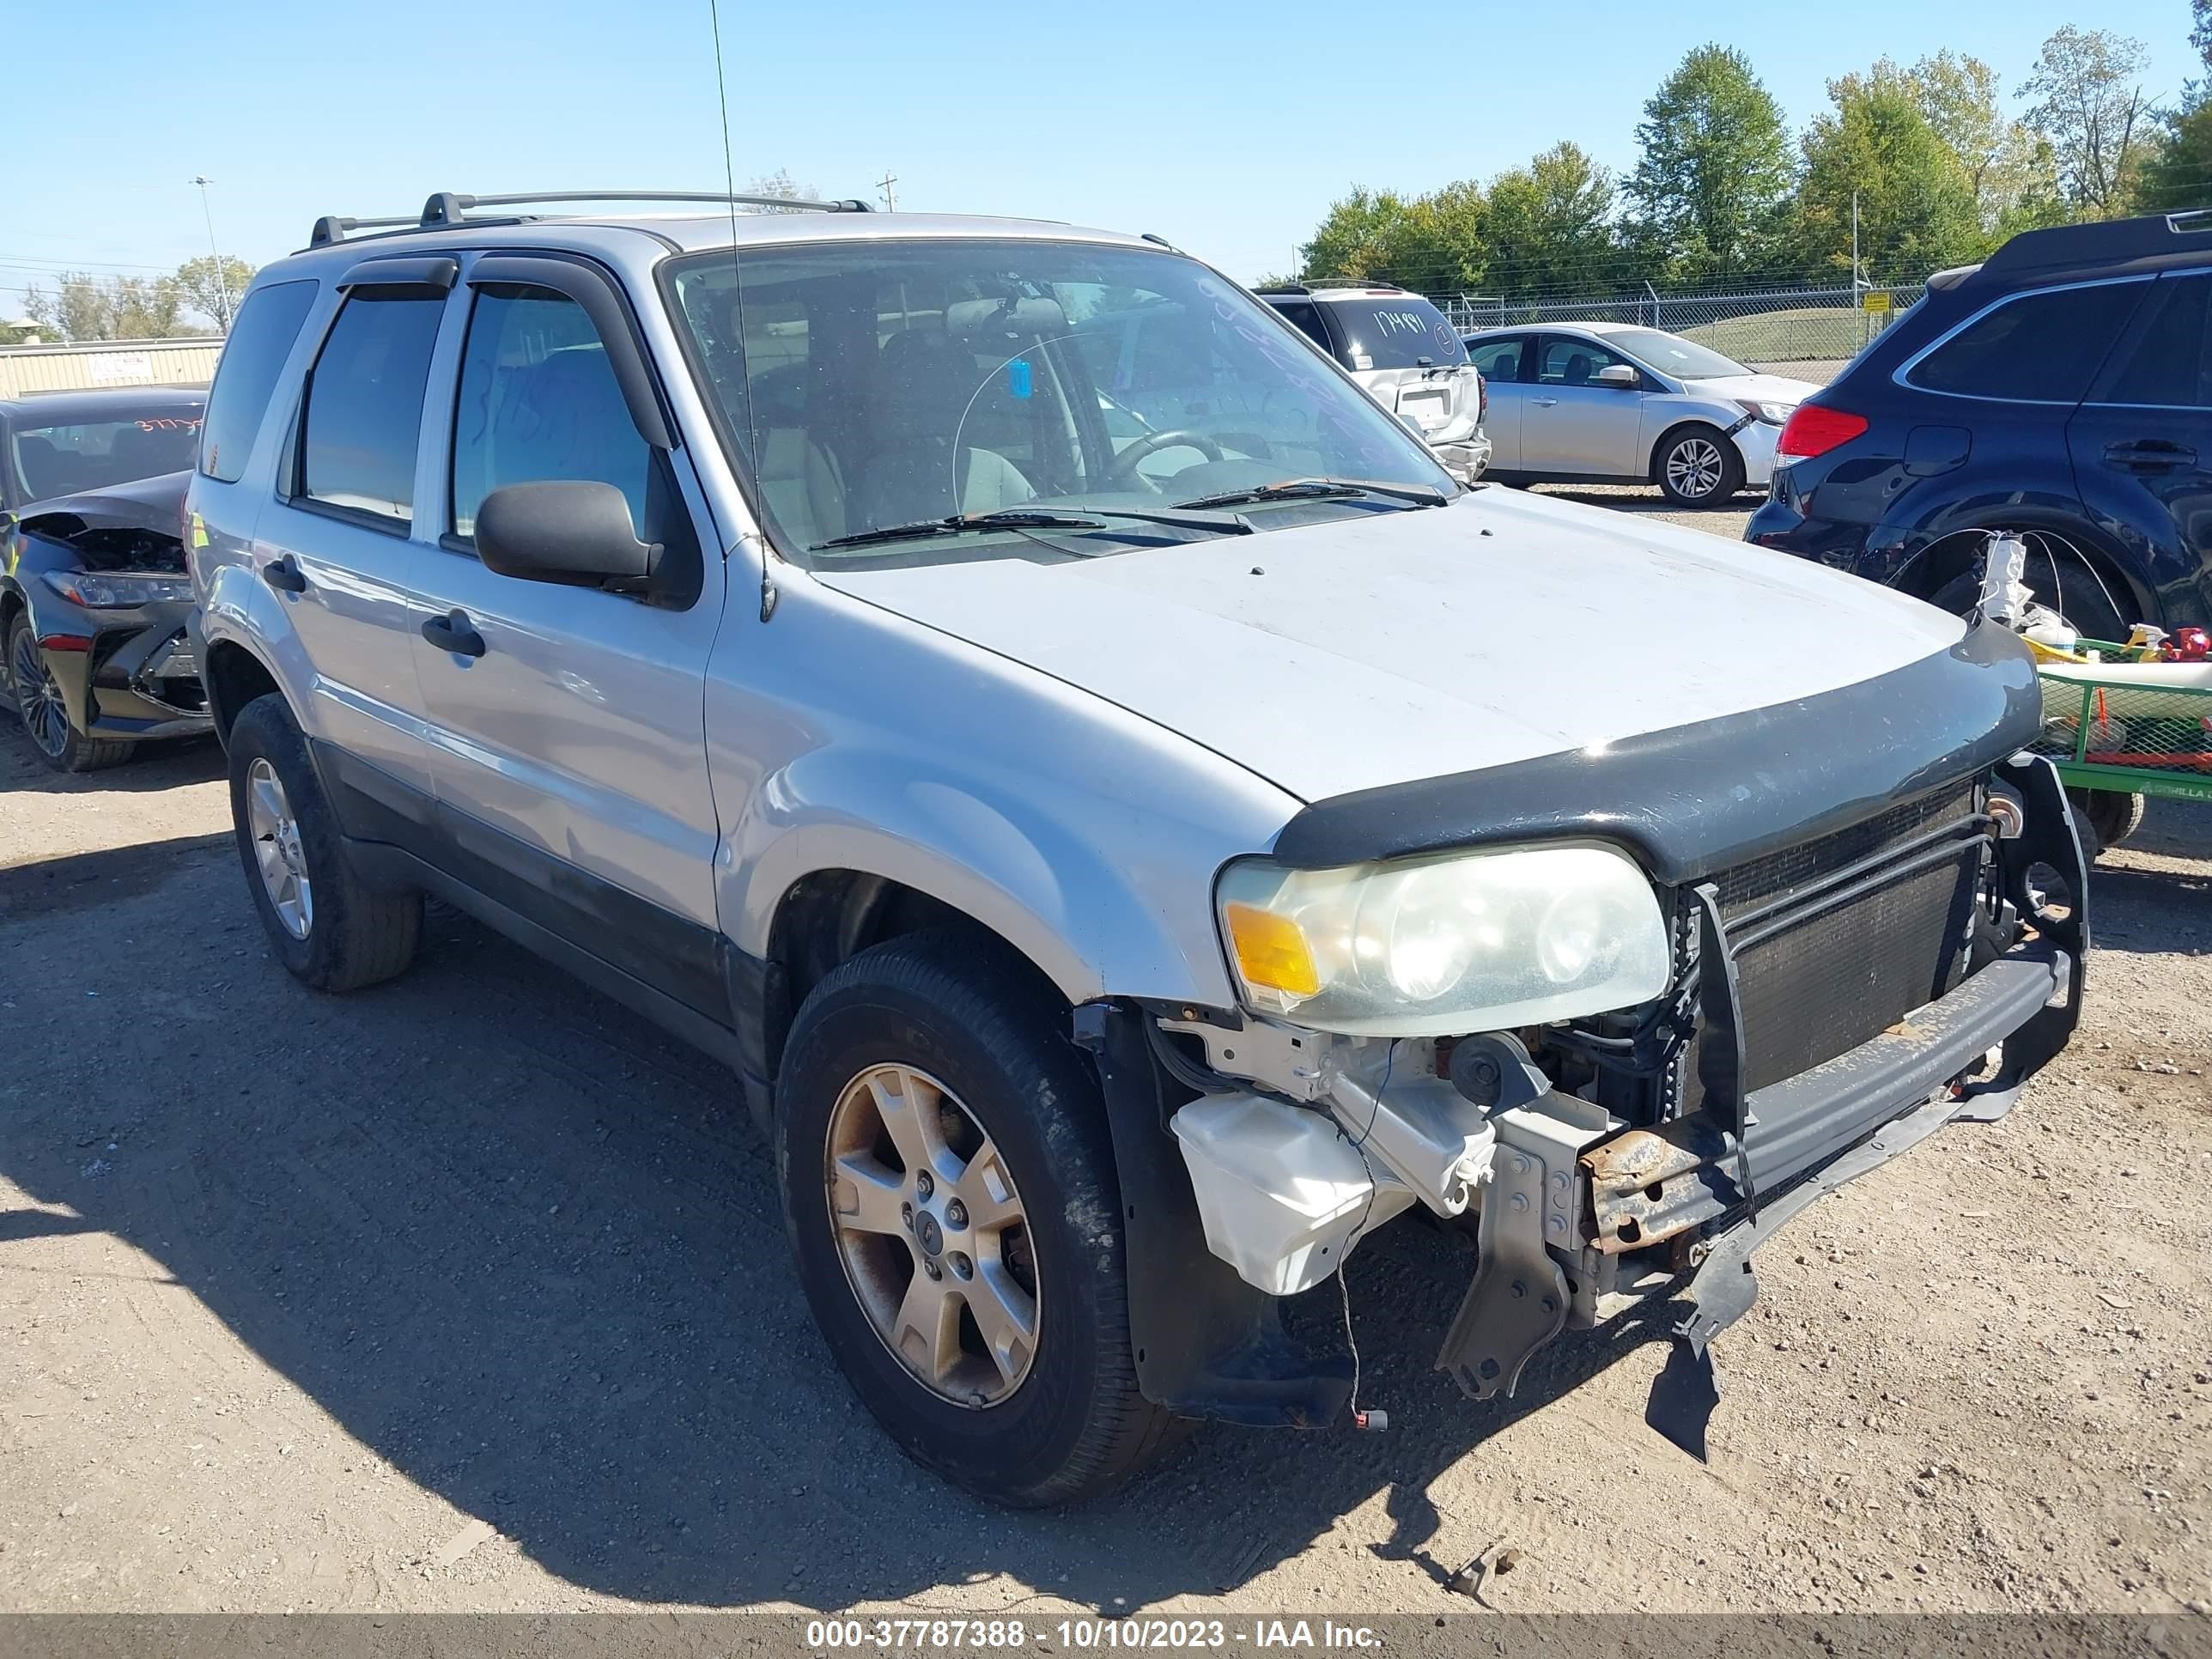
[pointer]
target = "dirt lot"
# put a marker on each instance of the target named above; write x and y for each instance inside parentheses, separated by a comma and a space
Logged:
(469, 1293)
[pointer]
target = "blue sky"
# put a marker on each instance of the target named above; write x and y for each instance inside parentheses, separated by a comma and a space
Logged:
(1226, 128)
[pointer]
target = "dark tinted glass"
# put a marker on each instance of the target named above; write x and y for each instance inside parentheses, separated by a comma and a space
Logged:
(538, 400)
(365, 406)
(1498, 360)
(61, 460)
(2040, 348)
(1307, 316)
(2171, 364)
(260, 340)
(1395, 332)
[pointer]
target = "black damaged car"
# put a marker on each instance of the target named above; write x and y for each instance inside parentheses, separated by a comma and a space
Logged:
(94, 593)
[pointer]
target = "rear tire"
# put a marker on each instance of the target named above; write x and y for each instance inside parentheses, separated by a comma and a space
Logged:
(1697, 465)
(976, 1040)
(329, 931)
(2112, 814)
(46, 718)
(2058, 579)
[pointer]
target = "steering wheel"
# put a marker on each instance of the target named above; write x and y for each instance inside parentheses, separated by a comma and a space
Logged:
(1123, 472)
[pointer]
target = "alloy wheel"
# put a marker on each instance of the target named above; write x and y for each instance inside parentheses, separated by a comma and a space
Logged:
(38, 695)
(277, 849)
(932, 1235)
(1694, 468)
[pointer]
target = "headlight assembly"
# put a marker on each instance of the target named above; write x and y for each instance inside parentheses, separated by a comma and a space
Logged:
(100, 590)
(1765, 410)
(1475, 941)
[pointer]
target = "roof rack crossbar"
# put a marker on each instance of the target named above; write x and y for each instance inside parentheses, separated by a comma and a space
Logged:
(449, 208)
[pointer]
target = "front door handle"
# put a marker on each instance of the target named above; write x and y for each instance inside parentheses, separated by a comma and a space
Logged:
(283, 575)
(454, 632)
(2150, 455)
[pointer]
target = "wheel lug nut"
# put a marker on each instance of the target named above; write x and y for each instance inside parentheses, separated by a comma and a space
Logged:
(923, 1184)
(961, 1267)
(956, 1214)
(906, 1213)
(933, 1270)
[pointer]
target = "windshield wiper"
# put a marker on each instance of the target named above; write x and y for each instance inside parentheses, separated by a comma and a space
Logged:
(1321, 490)
(1030, 517)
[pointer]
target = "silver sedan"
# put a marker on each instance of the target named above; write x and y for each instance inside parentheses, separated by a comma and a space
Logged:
(1615, 403)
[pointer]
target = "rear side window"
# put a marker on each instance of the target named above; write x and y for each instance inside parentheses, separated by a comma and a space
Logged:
(260, 340)
(1307, 316)
(2037, 348)
(1395, 331)
(364, 408)
(2171, 365)
(1498, 360)
(538, 400)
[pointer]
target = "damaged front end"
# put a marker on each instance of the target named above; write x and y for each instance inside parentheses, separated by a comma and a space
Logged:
(103, 580)
(1829, 999)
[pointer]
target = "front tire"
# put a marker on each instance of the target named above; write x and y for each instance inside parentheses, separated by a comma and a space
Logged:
(949, 1187)
(1697, 466)
(329, 931)
(45, 715)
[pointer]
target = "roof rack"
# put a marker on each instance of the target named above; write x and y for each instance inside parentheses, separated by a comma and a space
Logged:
(2105, 240)
(1325, 284)
(449, 209)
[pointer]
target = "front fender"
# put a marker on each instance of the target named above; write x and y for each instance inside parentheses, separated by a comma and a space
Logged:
(1092, 920)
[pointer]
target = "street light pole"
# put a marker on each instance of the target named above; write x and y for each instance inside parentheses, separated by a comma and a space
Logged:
(221, 275)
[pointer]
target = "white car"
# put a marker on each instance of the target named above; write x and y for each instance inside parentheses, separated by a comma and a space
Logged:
(1406, 355)
(1616, 402)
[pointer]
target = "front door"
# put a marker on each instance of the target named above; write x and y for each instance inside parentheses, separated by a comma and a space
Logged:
(1574, 424)
(568, 733)
(2142, 445)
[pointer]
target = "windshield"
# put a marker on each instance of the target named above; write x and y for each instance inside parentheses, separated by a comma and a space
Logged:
(1670, 354)
(1395, 331)
(63, 460)
(874, 385)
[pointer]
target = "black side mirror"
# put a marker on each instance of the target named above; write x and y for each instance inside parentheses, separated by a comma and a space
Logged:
(564, 530)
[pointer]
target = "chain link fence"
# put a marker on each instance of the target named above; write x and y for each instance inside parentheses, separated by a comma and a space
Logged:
(1777, 327)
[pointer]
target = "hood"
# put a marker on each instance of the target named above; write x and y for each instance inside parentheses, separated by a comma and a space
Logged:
(1766, 388)
(1394, 646)
(157, 504)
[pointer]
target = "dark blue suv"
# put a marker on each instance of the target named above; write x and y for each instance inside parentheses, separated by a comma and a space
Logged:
(2063, 389)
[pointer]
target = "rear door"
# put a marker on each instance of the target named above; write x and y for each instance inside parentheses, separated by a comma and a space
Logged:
(568, 735)
(2141, 443)
(1575, 425)
(1501, 363)
(343, 544)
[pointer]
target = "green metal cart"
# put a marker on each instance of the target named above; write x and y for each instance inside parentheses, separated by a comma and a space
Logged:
(2117, 739)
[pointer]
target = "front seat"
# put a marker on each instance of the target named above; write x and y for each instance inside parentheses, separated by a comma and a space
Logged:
(1578, 369)
(921, 465)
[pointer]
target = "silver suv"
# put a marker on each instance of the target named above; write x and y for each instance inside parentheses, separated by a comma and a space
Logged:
(1132, 823)
(1409, 358)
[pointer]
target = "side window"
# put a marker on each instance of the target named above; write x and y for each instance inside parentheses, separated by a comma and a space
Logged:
(1568, 361)
(1307, 315)
(2035, 347)
(2169, 366)
(363, 414)
(538, 400)
(1498, 360)
(260, 340)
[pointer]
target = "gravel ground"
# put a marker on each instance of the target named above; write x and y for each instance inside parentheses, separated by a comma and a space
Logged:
(469, 1293)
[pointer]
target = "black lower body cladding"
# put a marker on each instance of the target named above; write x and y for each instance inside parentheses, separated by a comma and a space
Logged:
(1693, 799)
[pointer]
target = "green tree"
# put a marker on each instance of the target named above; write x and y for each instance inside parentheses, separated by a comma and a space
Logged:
(2179, 176)
(1549, 226)
(213, 287)
(1711, 188)
(2090, 105)
(1916, 207)
(87, 307)
(1430, 243)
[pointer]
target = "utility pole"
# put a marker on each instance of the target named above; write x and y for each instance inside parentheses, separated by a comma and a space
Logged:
(221, 271)
(1855, 240)
(890, 201)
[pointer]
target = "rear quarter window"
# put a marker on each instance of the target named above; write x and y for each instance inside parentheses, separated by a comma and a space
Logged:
(2040, 347)
(260, 340)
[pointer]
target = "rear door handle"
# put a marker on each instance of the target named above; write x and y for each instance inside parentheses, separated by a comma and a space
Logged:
(1545, 403)
(283, 575)
(454, 632)
(2150, 455)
